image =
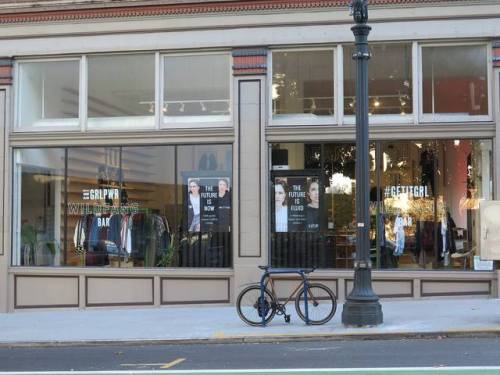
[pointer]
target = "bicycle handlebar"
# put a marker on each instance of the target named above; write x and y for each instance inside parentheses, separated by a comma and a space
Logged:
(271, 270)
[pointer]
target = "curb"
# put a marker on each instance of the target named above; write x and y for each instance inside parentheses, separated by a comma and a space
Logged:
(268, 338)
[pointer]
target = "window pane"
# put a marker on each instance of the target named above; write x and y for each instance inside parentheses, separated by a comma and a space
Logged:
(303, 83)
(204, 191)
(197, 85)
(48, 93)
(149, 191)
(121, 85)
(38, 208)
(390, 80)
(455, 80)
(466, 179)
(409, 189)
(93, 198)
(313, 205)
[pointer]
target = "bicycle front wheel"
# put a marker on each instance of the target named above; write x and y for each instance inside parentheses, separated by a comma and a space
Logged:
(321, 304)
(251, 307)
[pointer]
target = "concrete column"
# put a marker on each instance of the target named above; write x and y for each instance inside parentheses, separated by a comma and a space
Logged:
(496, 116)
(5, 82)
(249, 168)
(81, 291)
(417, 288)
(496, 145)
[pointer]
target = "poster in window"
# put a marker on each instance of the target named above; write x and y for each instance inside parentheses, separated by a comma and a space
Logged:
(296, 204)
(209, 204)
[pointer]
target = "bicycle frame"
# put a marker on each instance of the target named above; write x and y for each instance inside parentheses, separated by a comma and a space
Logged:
(267, 275)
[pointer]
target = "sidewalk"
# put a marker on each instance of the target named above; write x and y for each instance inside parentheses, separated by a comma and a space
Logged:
(409, 318)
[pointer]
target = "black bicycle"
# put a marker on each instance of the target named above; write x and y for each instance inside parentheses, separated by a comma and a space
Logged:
(257, 304)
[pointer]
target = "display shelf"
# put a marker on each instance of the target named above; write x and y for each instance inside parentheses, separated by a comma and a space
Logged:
(345, 249)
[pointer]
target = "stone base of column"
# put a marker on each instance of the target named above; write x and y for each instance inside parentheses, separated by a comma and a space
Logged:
(362, 313)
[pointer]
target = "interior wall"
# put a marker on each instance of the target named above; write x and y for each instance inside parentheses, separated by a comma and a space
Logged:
(455, 177)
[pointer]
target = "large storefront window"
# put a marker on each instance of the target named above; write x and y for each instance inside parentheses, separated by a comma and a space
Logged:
(155, 206)
(302, 84)
(390, 77)
(424, 203)
(455, 80)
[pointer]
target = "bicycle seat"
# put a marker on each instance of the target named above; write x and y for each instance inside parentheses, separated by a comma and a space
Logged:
(264, 268)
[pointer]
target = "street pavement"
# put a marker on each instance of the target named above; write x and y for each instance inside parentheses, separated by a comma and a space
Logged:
(389, 371)
(402, 318)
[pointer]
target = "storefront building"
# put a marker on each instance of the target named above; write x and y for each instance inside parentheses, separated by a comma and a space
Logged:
(156, 154)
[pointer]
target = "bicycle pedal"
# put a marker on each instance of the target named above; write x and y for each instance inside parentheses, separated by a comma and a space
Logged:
(287, 318)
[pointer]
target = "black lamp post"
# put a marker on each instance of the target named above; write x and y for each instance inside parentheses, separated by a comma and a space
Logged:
(362, 307)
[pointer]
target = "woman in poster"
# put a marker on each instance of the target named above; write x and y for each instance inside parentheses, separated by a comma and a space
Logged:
(224, 206)
(194, 206)
(312, 208)
(280, 206)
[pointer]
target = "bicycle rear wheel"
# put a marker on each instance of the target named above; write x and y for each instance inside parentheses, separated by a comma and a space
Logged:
(321, 304)
(250, 307)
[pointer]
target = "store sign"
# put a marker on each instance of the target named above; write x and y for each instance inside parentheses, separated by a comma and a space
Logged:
(412, 191)
(296, 204)
(96, 194)
(208, 204)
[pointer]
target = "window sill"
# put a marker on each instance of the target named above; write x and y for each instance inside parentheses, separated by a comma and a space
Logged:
(50, 125)
(382, 119)
(121, 123)
(183, 122)
(428, 118)
(302, 119)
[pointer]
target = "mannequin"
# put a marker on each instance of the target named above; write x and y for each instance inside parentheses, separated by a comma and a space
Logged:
(399, 232)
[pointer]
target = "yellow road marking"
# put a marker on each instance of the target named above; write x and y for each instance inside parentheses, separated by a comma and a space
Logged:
(173, 363)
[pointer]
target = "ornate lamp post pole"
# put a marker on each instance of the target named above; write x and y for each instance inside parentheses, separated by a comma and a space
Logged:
(362, 307)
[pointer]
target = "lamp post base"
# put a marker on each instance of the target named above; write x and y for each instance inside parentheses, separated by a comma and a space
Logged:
(362, 307)
(362, 313)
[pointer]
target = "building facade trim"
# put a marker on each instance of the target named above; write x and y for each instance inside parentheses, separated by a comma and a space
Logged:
(20, 306)
(190, 302)
(105, 11)
(249, 61)
(496, 53)
(461, 293)
(350, 281)
(109, 138)
(144, 303)
(385, 132)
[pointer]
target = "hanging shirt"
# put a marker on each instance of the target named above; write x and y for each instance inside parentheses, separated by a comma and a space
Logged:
(195, 203)
(281, 219)
(399, 231)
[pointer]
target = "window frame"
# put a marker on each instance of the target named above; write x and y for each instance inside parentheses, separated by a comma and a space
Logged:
(433, 118)
(99, 124)
(69, 124)
(387, 118)
(183, 122)
(297, 119)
